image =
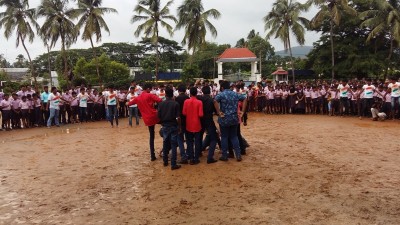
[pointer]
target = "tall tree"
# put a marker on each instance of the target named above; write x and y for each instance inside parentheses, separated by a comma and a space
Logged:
(58, 25)
(153, 15)
(332, 11)
(91, 20)
(283, 20)
(383, 20)
(195, 21)
(20, 18)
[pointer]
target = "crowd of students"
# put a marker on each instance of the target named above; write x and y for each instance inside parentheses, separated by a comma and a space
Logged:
(362, 98)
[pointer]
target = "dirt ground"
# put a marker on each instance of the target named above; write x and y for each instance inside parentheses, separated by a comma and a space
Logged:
(298, 170)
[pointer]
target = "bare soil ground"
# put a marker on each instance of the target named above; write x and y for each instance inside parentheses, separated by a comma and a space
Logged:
(298, 170)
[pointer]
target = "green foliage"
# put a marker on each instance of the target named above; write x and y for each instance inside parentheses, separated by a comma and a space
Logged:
(190, 71)
(111, 72)
(205, 59)
(148, 64)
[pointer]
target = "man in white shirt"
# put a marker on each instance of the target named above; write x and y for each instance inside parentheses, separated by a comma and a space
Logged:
(344, 89)
(394, 89)
(368, 90)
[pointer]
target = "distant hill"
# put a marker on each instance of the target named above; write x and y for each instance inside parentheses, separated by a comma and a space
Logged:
(298, 51)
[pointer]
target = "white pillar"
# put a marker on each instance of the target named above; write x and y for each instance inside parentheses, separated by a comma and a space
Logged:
(220, 71)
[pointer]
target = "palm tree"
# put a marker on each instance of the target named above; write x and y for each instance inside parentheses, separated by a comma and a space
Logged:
(58, 24)
(195, 21)
(153, 15)
(332, 11)
(284, 20)
(20, 18)
(92, 22)
(384, 19)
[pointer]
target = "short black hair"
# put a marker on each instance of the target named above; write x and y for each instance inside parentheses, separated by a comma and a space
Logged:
(169, 92)
(53, 88)
(182, 88)
(193, 91)
(225, 85)
(148, 86)
(206, 90)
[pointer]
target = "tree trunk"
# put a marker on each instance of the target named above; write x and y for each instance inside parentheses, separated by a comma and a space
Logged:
(48, 60)
(97, 63)
(261, 58)
(64, 55)
(332, 51)
(30, 62)
(157, 54)
(291, 59)
(389, 58)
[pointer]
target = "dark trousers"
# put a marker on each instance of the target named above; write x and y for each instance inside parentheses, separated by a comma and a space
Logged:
(344, 103)
(82, 114)
(151, 142)
(46, 114)
(193, 142)
(38, 115)
(229, 133)
(210, 141)
(112, 110)
(170, 141)
(367, 104)
(90, 111)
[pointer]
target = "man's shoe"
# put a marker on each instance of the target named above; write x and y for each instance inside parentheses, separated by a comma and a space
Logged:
(175, 167)
(212, 161)
(239, 159)
(194, 162)
(223, 159)
(243, 152)
(183, 162)
(165, 164)
(153, 158)
(232, 156)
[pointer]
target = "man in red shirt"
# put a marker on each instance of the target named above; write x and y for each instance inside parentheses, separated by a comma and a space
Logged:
(193, 110)
(145, 102)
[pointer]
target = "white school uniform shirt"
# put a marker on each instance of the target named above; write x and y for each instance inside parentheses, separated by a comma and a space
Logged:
(343, 90)
(307, 93)
(24, 105)
(130, 97)
(314, 94)
(368, 91)
(395, 89)
(54, 100)
(111, 98)
(83, 99)
(5, 104)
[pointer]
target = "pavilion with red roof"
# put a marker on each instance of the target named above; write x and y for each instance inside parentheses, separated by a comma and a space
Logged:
(239, 55)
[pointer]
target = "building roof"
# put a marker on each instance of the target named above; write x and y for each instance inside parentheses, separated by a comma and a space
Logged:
(237, 55)
(16, 74)
(280, 71)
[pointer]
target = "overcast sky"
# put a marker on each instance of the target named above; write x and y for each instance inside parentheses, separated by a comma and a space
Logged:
(238, 17)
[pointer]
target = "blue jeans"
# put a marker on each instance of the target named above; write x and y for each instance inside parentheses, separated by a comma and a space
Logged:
(181, 140)
(133, 111)
(170, 141)
(54, 113)
(112, 110)
(82, 114)
(195, 139)
(395, 103)
(229, 133)
(210, 141)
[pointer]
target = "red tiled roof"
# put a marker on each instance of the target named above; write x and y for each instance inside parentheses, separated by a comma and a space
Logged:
(237, 53)
(280, 71)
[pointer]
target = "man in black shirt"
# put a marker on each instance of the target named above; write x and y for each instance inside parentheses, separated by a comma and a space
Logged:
(207, 122)
(168, 112)
(181, 98)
